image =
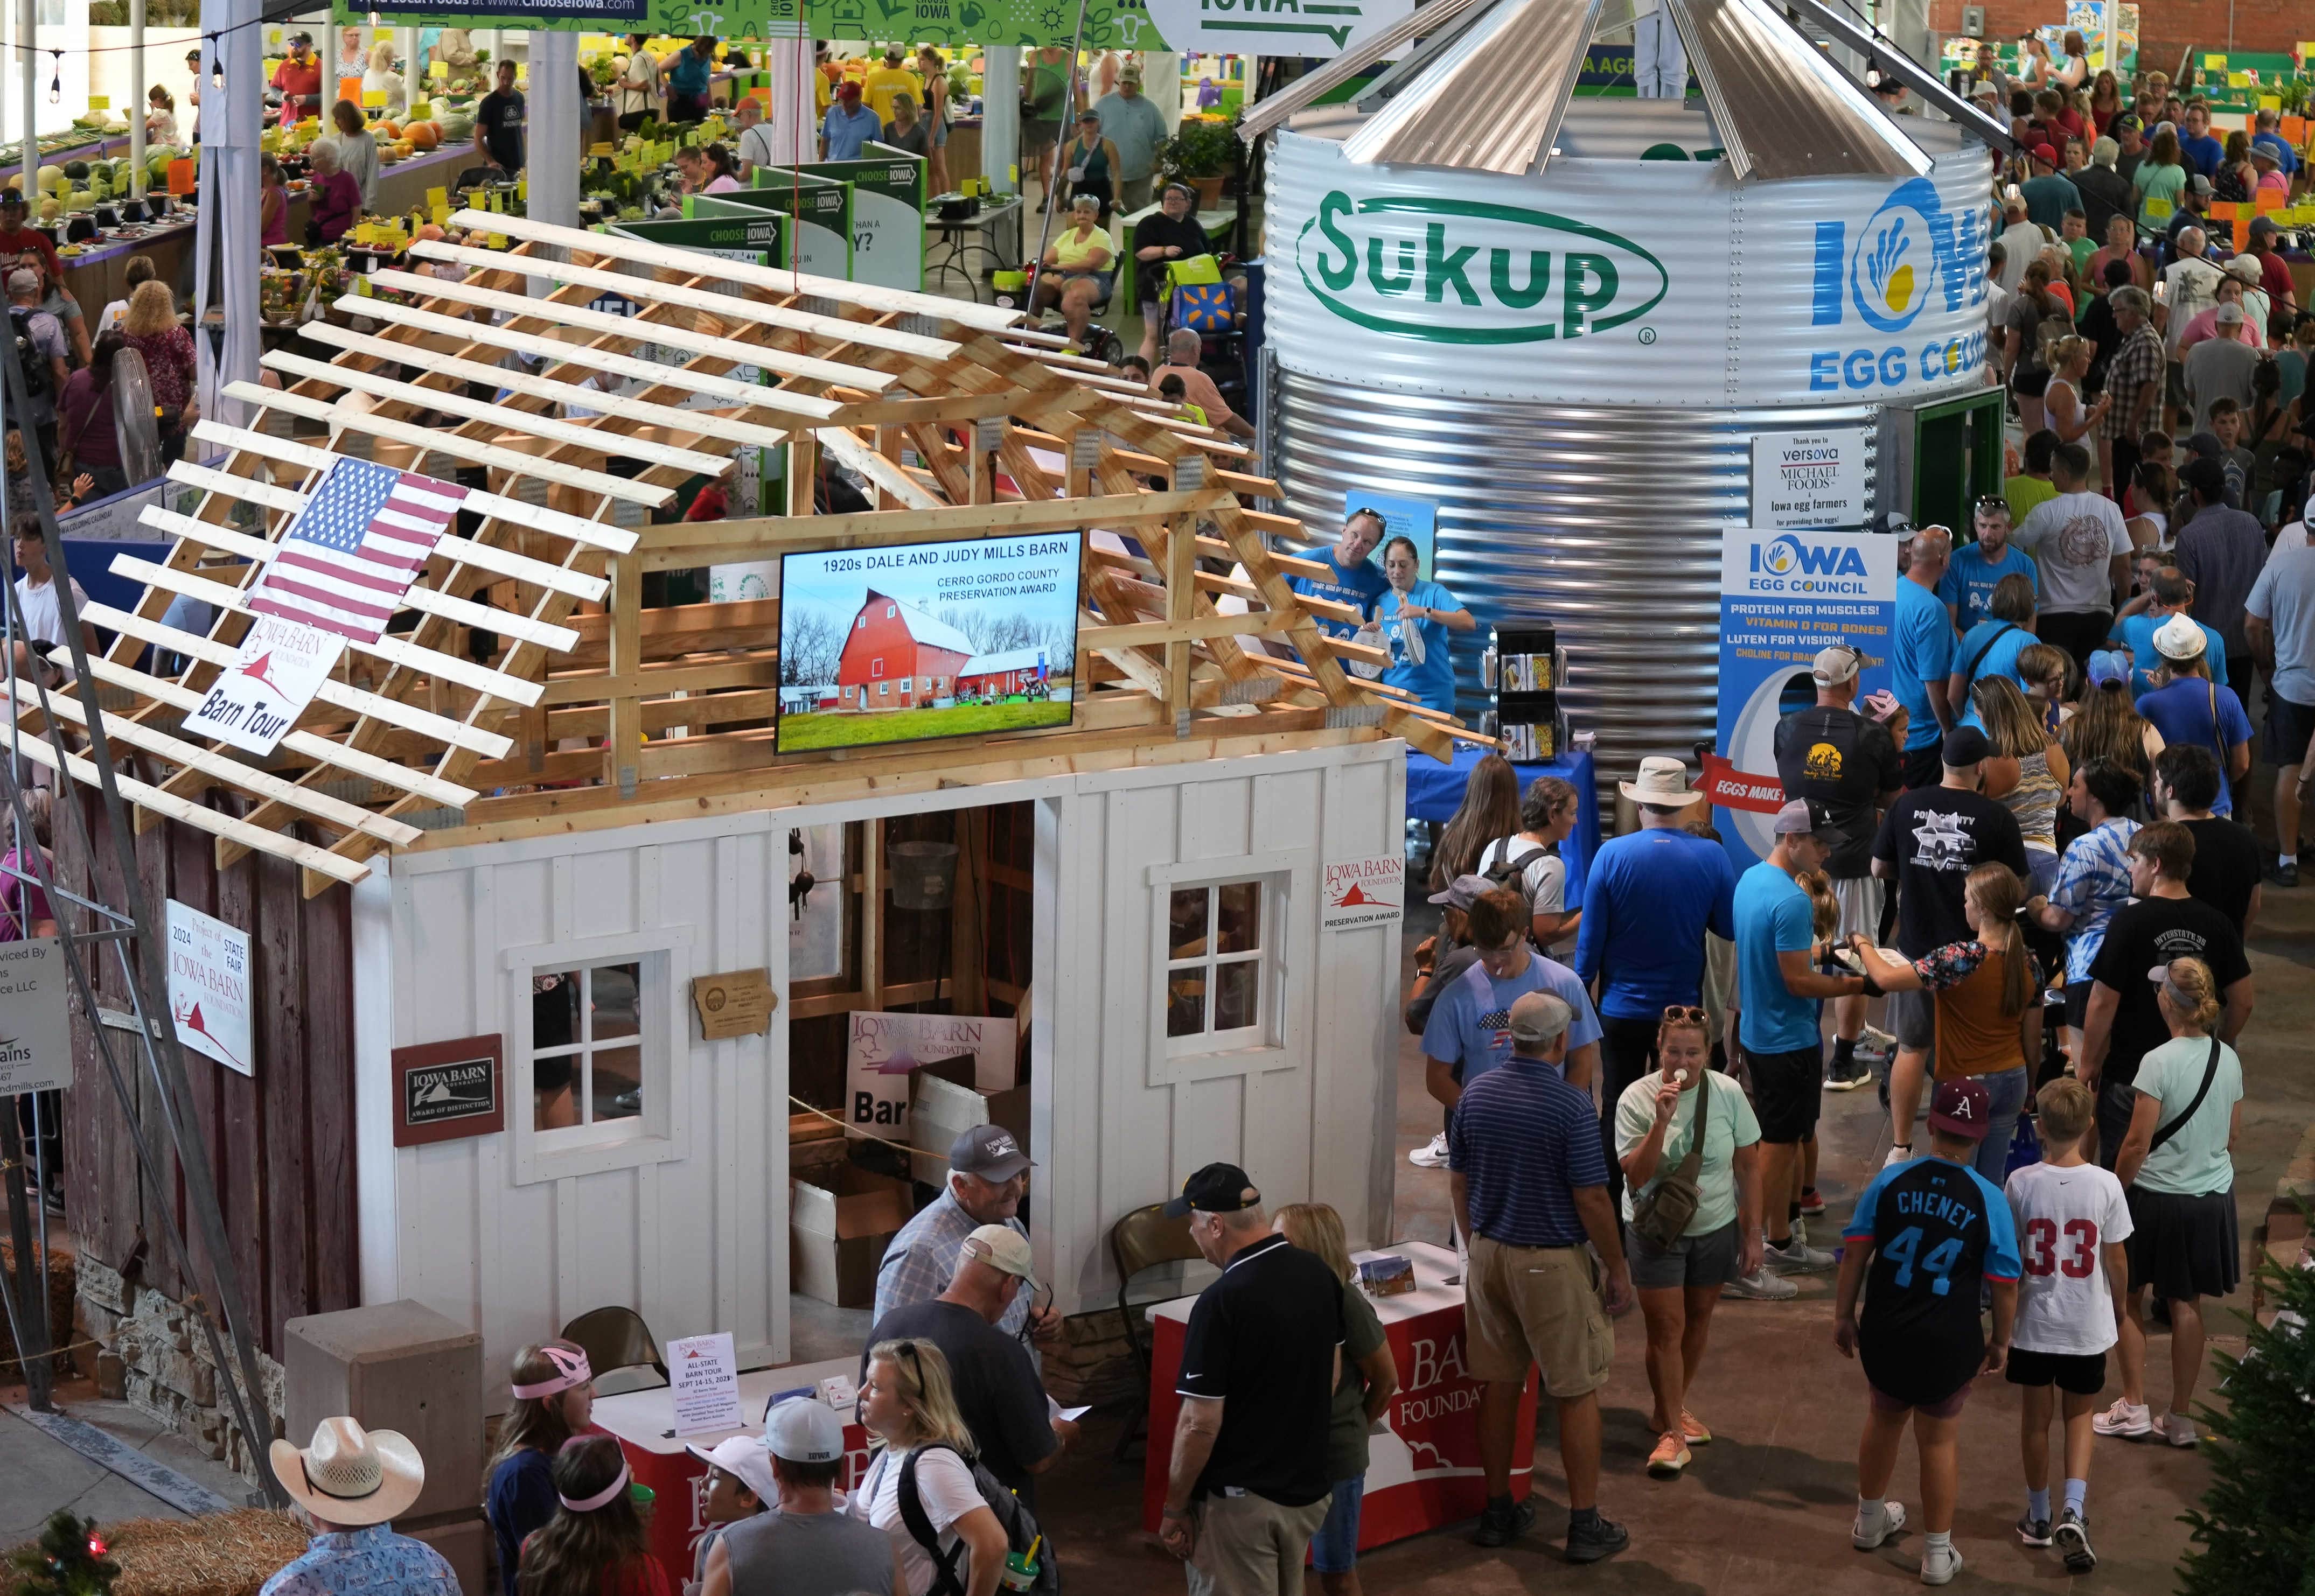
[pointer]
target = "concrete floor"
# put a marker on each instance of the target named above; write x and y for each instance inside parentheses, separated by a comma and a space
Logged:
(39, 1475)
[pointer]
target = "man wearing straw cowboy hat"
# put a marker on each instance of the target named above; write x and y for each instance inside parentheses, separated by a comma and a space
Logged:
(1649, 898)
(350, 1481)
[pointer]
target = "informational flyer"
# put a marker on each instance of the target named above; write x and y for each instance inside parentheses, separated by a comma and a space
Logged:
(1811, 479)
(35, 1016)
(1784, 596)
(704, 1371)
(209, 987)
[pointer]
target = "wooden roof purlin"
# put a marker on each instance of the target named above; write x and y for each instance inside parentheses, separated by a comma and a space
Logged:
(534, 675)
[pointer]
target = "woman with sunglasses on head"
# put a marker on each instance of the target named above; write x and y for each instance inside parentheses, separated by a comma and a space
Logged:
(1680, 1276)
(595, 1544)
(553, 1397)
(908, 1409)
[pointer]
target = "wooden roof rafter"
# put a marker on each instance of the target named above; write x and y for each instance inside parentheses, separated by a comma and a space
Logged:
(960, 423)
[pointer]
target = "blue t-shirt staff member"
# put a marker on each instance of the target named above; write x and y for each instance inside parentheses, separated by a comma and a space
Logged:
(1355, 581)
(1975, 568)
(1417, 614)
(1921, 655)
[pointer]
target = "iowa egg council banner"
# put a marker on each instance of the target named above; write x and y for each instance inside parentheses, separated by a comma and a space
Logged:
(1655, 282)
(1784, 596)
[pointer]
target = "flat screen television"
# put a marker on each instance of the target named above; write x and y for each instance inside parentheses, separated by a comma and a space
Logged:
(922, 639)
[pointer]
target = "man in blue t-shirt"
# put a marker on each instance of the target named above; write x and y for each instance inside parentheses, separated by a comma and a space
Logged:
(1932, 1232)
(1469, 1031)
(2203, 152)
(1921, 655)
(1967, 586)
(2193, 710)
(1779, 989)
(1356, 582)
(1648, 899)
(2169, 593)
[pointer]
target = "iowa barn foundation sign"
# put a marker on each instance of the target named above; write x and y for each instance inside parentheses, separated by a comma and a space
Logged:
(1364, 891)
(447, 1090)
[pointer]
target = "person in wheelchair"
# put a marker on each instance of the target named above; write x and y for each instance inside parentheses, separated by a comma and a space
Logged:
(1077, 272)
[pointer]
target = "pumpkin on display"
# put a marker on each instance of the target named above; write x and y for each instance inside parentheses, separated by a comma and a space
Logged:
(424, 136)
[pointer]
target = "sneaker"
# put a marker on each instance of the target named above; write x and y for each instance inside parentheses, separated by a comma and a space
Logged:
(1691, 1431)
(1865, 1537)
(1761, 1286)
(1861, 1075)
(1431, 1155)
(1669, 1457)
(1872, 1041)
(1811, 1203)
(2178, 1430)
(1588, 1543)
(2034, 1531)
(2284, 874)
(2073, 1538)
(1799, 1258)
(2123, 1419)
(1502, 1526)
(1940, 1563)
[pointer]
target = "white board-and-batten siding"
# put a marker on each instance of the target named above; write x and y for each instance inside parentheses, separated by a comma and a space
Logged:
(490, 1234)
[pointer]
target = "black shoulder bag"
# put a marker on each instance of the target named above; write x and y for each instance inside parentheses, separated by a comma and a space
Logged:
(1969, 672)
(2210, 1074)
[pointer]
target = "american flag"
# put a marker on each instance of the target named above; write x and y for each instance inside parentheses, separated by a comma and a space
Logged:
(351, 553)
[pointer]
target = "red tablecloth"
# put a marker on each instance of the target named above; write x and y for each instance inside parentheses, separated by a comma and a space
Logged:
(1421, 1475)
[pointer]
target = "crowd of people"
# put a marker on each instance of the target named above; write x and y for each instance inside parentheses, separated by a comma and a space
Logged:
(2026, 852)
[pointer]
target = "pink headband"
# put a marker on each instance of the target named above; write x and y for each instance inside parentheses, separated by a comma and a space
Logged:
(602, 1498)
(571, 1369)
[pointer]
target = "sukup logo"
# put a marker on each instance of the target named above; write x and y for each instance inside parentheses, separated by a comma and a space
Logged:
(1908, 252)
(1418, 267)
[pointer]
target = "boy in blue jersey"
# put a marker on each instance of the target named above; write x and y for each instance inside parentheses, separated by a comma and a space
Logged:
(1931, 1233)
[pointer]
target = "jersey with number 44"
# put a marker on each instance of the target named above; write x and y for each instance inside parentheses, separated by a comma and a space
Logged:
(1938, 1230)
(2066, 1219)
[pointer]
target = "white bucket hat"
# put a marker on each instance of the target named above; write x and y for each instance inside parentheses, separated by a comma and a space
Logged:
(2179, 638)
(1662, 781)
(351, 1476)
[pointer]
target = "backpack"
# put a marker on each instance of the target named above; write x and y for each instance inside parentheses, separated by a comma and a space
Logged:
(1021, 1531)
(30, 359)
(1508, 872)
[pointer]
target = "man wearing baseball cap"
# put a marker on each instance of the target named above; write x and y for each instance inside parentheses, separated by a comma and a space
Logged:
(987, 1181)
(1847, 764)
(1778, 987)
(1246, 1487)
(809, 1547)
(2048, 196)
(739, 1487)
(1932, 1231)
(2190, 708)
(849, 126)
(998, 1390)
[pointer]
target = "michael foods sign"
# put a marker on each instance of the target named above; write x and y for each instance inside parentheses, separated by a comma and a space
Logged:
(1624, 281)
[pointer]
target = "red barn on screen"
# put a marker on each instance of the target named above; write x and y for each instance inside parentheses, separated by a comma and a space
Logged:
(897, 657)
(1011, 672)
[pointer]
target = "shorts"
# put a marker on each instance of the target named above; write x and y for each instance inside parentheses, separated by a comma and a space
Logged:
(1925, 767)
(2077, 1002)
(2183, 1247)
(1947, 1407)
(1335, 1550)
(2080, 1374)
(1706, 1260)
(1860, 897)
(2288, 727)
(2029, 382)
(1537, 1306)
(1913, 1016)
(1786, 1090)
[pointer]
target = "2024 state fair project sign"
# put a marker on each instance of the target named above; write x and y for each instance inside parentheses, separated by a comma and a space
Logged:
(1784, 596)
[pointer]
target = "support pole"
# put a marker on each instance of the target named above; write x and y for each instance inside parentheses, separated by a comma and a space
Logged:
(1000, 131)
(28, 13)
(553, 144)
(136, 91)
(329, 60)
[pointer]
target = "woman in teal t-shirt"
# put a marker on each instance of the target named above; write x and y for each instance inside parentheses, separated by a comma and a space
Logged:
(1415, 616)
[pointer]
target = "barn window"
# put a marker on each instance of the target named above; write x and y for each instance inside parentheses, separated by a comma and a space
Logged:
(877, 666)
(1219, 965)
(890, 612)
(591, 1083)
(884, 689)
(860, 621)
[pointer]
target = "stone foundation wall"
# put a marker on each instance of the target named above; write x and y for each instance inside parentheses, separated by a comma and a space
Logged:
(153, 1353)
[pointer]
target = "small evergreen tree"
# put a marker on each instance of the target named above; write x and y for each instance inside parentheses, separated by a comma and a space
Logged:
(67, 1560)
(2254, 1534)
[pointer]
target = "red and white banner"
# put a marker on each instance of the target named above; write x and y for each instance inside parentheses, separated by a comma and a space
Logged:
(1727, 787)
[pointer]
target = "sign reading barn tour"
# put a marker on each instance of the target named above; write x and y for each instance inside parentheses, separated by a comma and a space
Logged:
(35, 1017)
(447, 1090)
(209, 980)
(884, 1050)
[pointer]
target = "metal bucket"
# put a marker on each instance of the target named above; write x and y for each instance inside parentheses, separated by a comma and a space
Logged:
(924, 873)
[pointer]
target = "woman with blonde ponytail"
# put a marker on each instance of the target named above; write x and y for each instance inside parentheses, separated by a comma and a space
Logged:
(2177, 1168)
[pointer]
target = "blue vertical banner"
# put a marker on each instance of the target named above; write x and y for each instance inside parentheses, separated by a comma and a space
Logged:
(1784, 596)
(1416, 519)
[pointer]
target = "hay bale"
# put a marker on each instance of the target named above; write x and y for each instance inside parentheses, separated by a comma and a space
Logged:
(228, 1553)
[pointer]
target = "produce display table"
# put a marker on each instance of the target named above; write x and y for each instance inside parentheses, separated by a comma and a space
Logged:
(98, 276)
(1435, 791)
(1422, 1471)
(401, 187)
(94, 148)
(644, 1423)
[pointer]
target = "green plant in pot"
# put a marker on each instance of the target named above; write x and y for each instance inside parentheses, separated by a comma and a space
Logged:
(1203, 155)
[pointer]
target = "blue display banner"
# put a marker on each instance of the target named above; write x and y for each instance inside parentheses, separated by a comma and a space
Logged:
(1783, 597)
(1416, 519)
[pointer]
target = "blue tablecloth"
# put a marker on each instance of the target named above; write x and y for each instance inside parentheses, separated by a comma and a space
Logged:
(1434, 792)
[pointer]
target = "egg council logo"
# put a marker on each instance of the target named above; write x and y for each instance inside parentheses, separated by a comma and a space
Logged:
(1912, 254)
(1789, 565)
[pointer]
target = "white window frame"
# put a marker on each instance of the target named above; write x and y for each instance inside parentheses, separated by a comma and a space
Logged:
(1288, 884)
(661, 1133)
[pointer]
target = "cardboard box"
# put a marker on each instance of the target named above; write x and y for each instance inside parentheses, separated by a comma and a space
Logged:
(948, 1104)
(837, 1233)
